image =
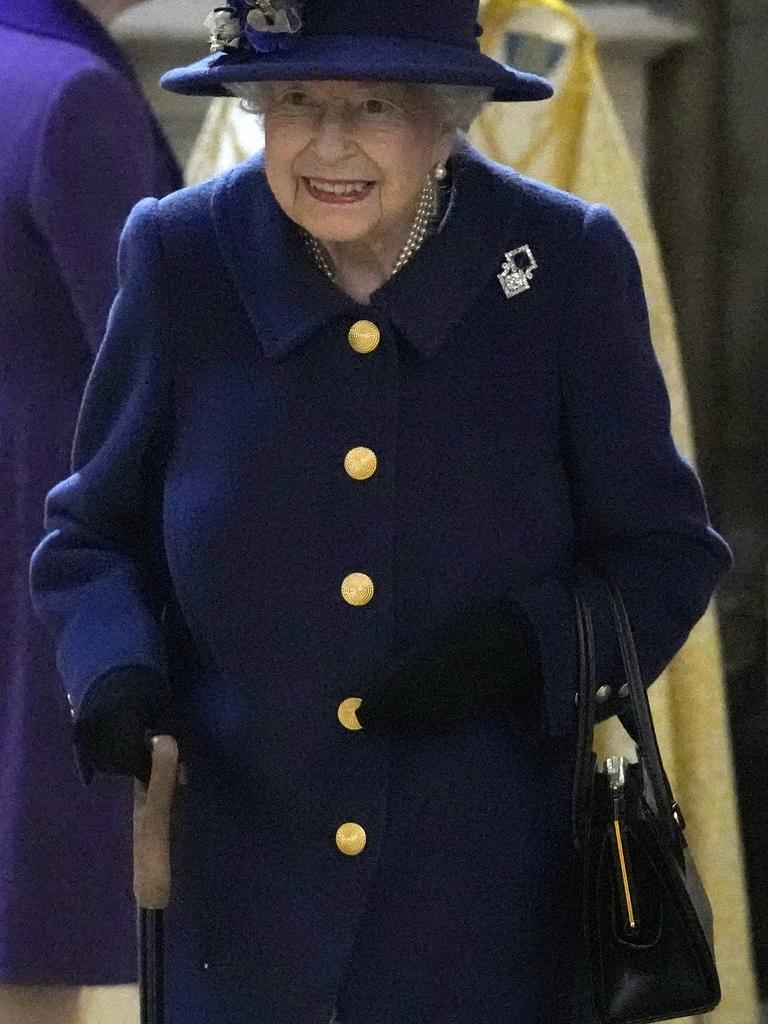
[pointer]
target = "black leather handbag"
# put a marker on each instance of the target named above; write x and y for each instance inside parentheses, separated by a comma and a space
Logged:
(647, 918)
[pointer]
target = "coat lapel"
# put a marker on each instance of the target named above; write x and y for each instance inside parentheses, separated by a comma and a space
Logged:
(289, 300)
(433, 293)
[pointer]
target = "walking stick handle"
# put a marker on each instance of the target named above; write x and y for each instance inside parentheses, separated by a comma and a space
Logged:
(152, 827)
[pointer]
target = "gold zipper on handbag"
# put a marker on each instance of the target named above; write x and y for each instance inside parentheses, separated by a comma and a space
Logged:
(615, 770)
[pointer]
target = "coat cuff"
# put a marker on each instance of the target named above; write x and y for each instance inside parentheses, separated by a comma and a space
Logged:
(109, 691)
(549, 608)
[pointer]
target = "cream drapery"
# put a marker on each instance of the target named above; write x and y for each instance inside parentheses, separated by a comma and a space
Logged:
(575, 141)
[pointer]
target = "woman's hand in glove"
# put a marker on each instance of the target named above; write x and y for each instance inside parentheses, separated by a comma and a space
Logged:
(483, 661)
(116, 722)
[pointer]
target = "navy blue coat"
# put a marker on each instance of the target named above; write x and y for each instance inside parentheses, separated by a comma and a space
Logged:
(522, 443)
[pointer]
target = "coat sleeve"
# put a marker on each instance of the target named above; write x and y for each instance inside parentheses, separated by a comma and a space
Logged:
(638, 509)
(96, 159)
(98, 578)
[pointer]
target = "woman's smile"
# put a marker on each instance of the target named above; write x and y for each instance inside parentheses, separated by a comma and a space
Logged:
(338, 192)
(349, 162)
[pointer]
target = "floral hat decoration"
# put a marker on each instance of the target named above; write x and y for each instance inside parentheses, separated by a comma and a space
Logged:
(262, 25)
(433, 41)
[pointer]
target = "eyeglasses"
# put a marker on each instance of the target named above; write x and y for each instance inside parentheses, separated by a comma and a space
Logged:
(367, 113)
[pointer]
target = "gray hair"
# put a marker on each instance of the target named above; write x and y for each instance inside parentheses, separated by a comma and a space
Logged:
(455, 106)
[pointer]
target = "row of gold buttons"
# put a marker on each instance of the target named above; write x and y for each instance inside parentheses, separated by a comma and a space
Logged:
(357, 588)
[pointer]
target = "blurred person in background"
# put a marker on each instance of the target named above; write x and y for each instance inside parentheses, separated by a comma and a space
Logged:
(78, 147)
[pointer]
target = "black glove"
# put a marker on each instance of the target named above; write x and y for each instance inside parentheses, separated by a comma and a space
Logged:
(116, 722)
(485, 661)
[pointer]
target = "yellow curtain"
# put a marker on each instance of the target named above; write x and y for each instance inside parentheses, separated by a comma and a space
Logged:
(575, 141)
(118, 1004)
(229, 135)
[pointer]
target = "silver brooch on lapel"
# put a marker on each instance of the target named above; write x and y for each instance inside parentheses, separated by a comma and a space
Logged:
(517, 271)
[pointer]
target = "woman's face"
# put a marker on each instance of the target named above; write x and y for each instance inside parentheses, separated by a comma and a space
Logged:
(348, 160)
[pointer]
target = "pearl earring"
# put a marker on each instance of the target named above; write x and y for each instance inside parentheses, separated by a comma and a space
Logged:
(441, 172)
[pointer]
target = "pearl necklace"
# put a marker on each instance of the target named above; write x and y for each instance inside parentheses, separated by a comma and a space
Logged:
(425, 214)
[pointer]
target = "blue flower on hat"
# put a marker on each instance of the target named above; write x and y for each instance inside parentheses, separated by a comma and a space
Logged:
(264, 26)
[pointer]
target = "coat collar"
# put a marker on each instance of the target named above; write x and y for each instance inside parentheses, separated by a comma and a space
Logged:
(66, 20)
(289, 300)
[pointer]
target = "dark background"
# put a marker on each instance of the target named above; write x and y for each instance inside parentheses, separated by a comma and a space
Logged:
(709, 193)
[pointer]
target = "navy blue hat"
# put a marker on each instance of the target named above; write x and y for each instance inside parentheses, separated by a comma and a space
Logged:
(432, 41)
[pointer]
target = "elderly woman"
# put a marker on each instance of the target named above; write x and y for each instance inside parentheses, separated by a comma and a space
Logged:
(367, 409)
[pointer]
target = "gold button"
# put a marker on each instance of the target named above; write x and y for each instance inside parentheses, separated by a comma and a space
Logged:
(364, 336)
(360, 463)
(351, 839)
(348, 713)
(357, 589)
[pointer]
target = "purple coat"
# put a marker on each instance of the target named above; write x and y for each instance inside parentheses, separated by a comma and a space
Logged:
(522, 443)
(78, 146)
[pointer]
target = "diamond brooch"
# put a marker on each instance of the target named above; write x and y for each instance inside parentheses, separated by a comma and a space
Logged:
(517, 271)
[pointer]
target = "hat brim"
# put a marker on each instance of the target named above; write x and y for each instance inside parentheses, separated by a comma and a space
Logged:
(359, 58)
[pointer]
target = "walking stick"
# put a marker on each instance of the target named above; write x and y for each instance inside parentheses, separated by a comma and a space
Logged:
(152, 873)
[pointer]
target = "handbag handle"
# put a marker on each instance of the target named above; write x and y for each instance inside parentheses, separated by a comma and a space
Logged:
(585, 757)
(649, 753)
